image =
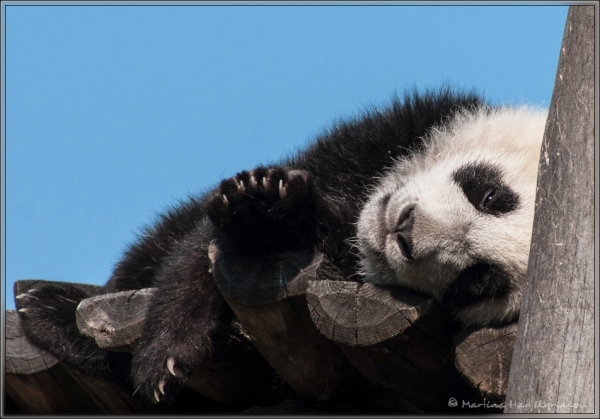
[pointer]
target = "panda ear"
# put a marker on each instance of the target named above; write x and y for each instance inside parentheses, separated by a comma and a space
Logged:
(483, 185)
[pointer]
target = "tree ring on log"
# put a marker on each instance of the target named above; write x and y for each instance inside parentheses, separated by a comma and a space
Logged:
(22, 357)
(363, 314)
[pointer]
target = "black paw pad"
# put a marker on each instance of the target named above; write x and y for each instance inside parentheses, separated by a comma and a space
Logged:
(260, 191)
(266, 208)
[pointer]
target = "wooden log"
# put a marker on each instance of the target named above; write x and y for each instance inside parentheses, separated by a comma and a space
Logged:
(397, 338)
(483, 357)
(362, 314)
(236, 375)
(115, 321)
(267, 293)
(22, 357)
(28, 380)
(553, 363)
(109, 399)
(38, 384)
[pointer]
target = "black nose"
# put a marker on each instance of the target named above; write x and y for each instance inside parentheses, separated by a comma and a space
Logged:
(404, 231)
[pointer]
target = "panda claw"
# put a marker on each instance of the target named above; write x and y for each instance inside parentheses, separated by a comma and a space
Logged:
(161, 386)
(170, 365)
(241, 188)
(265, 185)
(23, 310)
(25, 295)
(282, 191)
(253, 182)
(225, 200)
(156, 398)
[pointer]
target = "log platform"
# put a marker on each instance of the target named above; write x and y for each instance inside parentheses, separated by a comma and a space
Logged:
(307, 341)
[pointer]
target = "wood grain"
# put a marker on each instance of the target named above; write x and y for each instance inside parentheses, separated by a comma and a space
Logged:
(553, 362)
(115, 321)
(483, 357)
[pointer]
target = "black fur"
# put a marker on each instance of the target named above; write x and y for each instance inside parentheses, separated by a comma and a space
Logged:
(317, 206)
(475, 283)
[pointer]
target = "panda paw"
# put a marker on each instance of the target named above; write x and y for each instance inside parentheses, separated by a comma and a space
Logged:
(47, 309)
(158, 377)
(263, 190)
(47, 315)
(267, 206)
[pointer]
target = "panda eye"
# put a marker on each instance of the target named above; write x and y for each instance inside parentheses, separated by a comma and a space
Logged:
(489, 197)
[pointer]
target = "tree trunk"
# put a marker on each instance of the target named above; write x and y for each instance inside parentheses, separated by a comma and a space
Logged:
(553, 362)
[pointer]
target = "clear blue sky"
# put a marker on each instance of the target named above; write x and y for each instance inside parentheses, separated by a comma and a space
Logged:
(115, 112)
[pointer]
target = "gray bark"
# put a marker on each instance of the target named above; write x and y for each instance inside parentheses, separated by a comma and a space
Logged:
(21, 356)
(553, 362)
(115, 321)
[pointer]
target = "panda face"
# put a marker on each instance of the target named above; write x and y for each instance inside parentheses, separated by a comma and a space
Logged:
(455, 221)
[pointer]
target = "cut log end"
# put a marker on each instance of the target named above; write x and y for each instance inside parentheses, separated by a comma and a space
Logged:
(483, 357)
(116, 320)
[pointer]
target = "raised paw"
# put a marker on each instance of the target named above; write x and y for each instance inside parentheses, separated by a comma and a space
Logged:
(262, 190)
(264, 206)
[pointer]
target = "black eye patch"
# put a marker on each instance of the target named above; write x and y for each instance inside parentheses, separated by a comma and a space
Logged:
(483, 186)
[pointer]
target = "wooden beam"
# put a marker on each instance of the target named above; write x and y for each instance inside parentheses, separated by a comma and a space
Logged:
(553, 362)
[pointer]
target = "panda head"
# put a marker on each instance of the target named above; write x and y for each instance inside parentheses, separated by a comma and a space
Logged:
(454, 221)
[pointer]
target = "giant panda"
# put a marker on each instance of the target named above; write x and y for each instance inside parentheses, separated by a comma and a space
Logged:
(434, 192)
(454, 220)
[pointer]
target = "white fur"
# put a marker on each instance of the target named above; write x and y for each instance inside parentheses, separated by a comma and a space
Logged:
(449, 234)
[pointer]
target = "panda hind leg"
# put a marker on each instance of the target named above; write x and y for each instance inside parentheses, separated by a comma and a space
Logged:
(184, 316)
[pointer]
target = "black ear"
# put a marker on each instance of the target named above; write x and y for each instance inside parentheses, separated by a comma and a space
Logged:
(483, 185)
(475, 283)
